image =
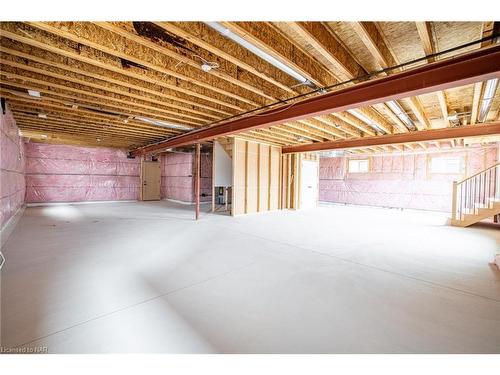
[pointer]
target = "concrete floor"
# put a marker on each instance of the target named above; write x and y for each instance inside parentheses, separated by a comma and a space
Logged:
(145, 277)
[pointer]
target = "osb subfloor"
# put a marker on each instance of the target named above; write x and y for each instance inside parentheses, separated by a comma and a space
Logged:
(145, 277)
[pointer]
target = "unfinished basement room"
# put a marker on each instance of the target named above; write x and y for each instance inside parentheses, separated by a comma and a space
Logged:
(248, 187)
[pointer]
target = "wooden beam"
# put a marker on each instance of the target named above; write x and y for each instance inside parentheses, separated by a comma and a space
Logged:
(443, 106)
(339, 126)
(99, 99)
(113, 83)
(110, 67)
(476, 99)
(134, 99)
(416, 107)
(116, 45)
(374, 41)
(60, 108)
(268, 38)
(417, 136)
(324, 41)
(356, 122)
(320, 124)
(377, 118)
(461, 70)
(425, 34)
(210, 40)
(116, 28)
(312, 129)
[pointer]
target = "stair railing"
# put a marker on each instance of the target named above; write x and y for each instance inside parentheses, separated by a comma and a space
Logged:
(475, 191)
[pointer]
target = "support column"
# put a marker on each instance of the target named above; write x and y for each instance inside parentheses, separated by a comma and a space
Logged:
(197, 181)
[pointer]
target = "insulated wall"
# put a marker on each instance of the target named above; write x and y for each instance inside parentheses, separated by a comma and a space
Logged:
(401, 181)
(61, 173)
(177, 176)
(12, 166)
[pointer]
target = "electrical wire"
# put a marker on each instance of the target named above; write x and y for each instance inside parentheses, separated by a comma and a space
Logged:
(357, 79)
(328, 88)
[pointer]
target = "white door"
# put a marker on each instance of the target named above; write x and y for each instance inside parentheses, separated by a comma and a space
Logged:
(309, 184)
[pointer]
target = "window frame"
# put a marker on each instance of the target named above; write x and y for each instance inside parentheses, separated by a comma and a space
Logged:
(461, 165)
(367, 160)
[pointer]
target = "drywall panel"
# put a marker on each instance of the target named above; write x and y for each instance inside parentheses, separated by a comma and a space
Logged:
(223, 166)
(263, 174)
(239, 177)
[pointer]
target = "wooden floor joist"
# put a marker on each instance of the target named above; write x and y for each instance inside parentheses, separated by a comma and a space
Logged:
(110, 74)
(416, 136)
(458, 71)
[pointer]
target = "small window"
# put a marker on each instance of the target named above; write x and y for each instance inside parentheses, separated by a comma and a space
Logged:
(446, 165)
(359, 166)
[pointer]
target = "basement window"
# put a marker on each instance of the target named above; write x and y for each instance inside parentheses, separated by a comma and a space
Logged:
(359, 166)
(446, 165)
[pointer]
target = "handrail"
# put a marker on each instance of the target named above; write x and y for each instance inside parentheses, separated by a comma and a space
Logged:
(475, 192)
(478, 173)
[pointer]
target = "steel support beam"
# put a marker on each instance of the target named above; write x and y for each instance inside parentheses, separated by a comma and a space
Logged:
(479, 65)
(416, 136)
(197, 181)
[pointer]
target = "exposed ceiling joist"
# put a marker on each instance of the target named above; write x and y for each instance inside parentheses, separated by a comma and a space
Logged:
(374, 41)
(418, 136)
(465, 69)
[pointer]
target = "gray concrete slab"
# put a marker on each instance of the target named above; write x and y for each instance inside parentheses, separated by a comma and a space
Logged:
(146, 277)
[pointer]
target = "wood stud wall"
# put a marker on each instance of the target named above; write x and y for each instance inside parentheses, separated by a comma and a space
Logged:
(256, 173)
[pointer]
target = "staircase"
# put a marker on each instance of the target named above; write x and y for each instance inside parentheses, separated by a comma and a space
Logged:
(477, 197)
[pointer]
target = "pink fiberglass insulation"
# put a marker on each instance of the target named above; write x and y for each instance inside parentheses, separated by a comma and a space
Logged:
(12, 165)
(177, 176)
(206, 177)
(400, 181)
(61, 173)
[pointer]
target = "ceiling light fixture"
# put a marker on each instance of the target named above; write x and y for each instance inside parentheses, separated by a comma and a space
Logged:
(489, 94)
(453, 116)
(42, 115)
(257, 51)
(207, 65)
(401, 114)
(163, 124)
(34, 93)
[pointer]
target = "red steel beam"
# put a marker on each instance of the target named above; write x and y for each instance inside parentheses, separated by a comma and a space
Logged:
(416, 136)
(479, 65)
